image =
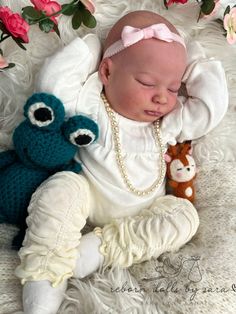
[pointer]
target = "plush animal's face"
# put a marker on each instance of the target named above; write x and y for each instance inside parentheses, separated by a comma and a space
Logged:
(180, 172)
(44, 140)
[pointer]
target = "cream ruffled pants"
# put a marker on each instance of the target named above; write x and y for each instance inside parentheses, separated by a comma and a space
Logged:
(59, 210)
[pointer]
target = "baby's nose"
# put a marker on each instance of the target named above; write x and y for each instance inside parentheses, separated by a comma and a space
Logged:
(160, 98)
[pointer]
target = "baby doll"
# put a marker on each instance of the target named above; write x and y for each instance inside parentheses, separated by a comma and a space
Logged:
(134, 99)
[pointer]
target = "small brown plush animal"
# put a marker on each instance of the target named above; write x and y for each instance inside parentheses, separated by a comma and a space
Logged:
(181, 170)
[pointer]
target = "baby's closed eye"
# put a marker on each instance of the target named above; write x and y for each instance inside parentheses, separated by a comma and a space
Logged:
(145, 83)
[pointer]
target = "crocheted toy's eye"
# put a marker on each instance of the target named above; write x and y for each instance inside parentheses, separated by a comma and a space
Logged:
(41, 114)
(82, 137)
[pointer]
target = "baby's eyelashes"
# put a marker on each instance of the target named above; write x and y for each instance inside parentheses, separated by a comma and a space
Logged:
(174, 88)
(145, 83)
(174, 91)
(152, 84)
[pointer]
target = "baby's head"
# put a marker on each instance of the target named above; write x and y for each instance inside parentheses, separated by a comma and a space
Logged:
(141, 81)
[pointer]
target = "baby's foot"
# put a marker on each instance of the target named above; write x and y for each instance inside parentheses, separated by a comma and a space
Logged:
(39, 297)
(89, 258)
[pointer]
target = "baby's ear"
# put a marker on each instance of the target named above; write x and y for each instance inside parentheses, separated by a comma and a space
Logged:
(167, 158)
(105, 70)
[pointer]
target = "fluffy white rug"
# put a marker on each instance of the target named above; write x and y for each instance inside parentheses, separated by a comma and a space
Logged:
(200, 278)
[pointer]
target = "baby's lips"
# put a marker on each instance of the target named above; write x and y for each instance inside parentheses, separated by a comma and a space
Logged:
(153, 113)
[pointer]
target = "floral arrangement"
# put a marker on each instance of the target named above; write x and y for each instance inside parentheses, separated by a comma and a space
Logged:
(210, 8)
(44, 13)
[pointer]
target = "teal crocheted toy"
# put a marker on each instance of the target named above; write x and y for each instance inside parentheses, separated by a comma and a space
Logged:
(44, 144)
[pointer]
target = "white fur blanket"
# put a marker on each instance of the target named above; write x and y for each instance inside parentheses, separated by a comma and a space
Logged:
(199, 278)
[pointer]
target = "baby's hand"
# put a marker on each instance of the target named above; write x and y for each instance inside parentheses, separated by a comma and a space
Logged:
(195, 52)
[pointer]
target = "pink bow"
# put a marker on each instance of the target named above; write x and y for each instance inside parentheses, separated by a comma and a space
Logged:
(131, 35)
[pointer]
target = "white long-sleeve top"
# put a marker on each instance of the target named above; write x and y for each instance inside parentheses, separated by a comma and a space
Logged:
(70, 76)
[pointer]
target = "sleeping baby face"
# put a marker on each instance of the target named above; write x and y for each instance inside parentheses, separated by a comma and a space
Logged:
(142, 81)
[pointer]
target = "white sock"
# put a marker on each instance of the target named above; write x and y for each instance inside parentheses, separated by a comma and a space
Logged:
(89, 258)
(39, 297)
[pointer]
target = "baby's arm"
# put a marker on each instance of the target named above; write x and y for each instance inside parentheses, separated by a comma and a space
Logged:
(207, 99)
(64, 73)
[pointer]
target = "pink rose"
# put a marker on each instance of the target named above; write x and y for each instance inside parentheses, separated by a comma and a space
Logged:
(48, 6)
(89, 5)
(170, 2)
(230, 26)
(3, 62)
(14, 23)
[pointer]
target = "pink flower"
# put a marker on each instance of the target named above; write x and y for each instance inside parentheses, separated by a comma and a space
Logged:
(3, 62)
(89, 5)
(14, 23)
(48, 6)
(230, 26)
(170, 2)
(216, 8)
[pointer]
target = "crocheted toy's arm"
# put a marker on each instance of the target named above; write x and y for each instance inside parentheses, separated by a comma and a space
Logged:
(7, 158)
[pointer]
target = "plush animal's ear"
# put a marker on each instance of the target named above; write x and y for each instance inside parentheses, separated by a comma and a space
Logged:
(44, 111)
(172, 150)
(80, 130)
(186, 148)
(167, 158)
(190, 151)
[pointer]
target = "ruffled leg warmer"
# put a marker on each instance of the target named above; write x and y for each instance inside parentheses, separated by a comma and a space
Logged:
(166, 226)
(57, 213)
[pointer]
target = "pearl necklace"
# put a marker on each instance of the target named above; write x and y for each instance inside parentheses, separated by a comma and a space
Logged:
(120, 160)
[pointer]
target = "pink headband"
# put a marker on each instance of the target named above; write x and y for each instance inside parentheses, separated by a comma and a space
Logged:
(131, 35)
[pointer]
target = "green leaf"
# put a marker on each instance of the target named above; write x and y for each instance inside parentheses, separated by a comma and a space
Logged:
(46, 25)
(227, 10)
(10, 65)
(56, 29)
(81, 6)
(68, 9)
(207, 7)
(19, 42)
(76, 19)
(88, 19)
(30, 14)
